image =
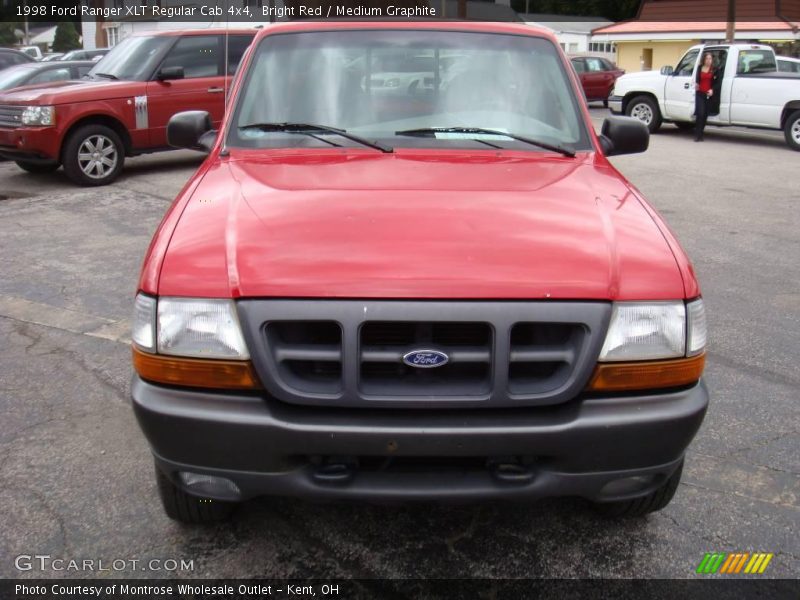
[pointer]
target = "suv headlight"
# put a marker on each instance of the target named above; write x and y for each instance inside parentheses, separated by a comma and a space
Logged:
(652, 345)
(190, 341)
(40, 116)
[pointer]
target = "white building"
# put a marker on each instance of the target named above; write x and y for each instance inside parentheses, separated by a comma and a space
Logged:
(98, 33)
(574, 33)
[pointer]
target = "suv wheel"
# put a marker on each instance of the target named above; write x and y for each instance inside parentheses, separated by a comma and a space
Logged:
(93, 155)
(792, 130)
(186, 508)
(37, 167)
(646, 110)
(638, 507)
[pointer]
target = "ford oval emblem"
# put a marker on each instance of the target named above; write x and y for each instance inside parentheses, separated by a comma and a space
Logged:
(426, 359)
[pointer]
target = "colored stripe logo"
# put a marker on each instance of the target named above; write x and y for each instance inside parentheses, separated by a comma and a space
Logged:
(734, 563)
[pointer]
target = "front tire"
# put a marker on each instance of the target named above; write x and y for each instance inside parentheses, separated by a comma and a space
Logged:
(93, 155)
(792, 130)
(646, 110)
(638, 507)
(37, 167)
(186, 508)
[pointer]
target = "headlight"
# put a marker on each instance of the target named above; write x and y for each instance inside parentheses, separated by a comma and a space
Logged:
(697, 328)
(651, 345)
(39, 116)
(190, 342)
(199, 328)
(646, 331)
(143, 331)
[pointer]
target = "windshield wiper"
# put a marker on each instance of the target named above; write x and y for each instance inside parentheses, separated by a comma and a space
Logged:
(309, 129)
(107, 76)
(432, 131)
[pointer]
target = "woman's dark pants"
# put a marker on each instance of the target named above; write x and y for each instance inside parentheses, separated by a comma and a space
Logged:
(701, 113)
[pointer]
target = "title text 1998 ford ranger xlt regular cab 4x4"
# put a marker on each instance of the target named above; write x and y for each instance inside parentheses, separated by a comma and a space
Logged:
(90, 126)
(377, 292)
(752, 92)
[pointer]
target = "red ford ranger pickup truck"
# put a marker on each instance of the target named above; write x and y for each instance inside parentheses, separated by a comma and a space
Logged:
(445, 293)
(122, 108)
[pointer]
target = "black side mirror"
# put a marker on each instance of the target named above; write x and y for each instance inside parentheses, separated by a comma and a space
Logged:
(624, 135)
(169, 73)
(668, 70)
(191, 129)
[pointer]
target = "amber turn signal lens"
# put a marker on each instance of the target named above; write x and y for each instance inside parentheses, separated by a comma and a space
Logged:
(631, 376)
(196, 372)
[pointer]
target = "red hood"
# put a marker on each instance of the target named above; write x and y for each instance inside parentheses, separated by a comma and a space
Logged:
(417, 225)
(64, 92)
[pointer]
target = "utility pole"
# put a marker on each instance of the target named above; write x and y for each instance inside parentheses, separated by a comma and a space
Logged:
(462, 9)
(26, 38)
(730, 32)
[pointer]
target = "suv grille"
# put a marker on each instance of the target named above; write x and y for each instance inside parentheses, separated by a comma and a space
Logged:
(350, 353)
(11, 116)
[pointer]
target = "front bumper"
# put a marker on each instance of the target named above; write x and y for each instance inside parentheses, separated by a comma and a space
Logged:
(34, 144)
(615, 104)
(582, 448)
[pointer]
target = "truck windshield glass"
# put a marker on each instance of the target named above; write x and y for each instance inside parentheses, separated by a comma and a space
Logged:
(132, 59)
(379, 84)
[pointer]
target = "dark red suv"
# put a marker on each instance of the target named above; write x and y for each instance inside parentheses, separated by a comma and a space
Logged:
(90, 126)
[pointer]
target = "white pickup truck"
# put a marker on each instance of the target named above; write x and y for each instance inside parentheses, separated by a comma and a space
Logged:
(753, 92)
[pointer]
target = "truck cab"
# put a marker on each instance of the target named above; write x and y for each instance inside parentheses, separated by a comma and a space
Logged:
(121, 108)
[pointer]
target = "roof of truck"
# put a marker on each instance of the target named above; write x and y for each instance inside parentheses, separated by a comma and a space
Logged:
(430, 25)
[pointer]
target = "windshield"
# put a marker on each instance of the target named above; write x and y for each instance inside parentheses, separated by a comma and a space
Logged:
(382, 85)
(132, 59)
(14, 77)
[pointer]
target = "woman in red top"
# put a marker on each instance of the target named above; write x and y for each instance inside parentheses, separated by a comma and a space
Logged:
(704, 90)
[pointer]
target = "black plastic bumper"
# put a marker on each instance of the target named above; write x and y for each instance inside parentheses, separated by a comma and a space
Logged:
(270, 448)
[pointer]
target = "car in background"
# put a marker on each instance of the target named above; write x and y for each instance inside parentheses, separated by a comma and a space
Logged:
(597, 76)
(50, 56)
(9, 58)
(122, 107)
(93, 55)
(787, 64)
(33, 51)
(43, 72)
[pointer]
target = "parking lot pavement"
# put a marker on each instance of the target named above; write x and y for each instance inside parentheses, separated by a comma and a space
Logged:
(76, 476)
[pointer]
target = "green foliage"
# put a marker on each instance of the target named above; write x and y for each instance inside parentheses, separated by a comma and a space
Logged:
(7, 37)
(66, 37)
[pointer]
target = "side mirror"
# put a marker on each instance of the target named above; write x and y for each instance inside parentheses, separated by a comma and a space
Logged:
(668, 70)
(191, 129)
(624, 135)
(169, 73)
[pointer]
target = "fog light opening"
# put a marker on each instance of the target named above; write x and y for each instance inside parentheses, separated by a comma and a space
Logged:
(218, 488)
(628, 486)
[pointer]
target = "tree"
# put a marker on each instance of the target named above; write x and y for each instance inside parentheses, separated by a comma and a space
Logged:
(7, 37)
(66, 37)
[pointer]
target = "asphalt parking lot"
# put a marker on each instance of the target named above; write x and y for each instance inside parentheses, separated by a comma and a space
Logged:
(76, 476)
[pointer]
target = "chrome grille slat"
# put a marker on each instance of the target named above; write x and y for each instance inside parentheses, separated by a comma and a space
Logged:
(11, 116)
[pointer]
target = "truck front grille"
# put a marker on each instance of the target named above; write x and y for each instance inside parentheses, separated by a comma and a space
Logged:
(351, 353)
(383, 344)
(11, 116)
